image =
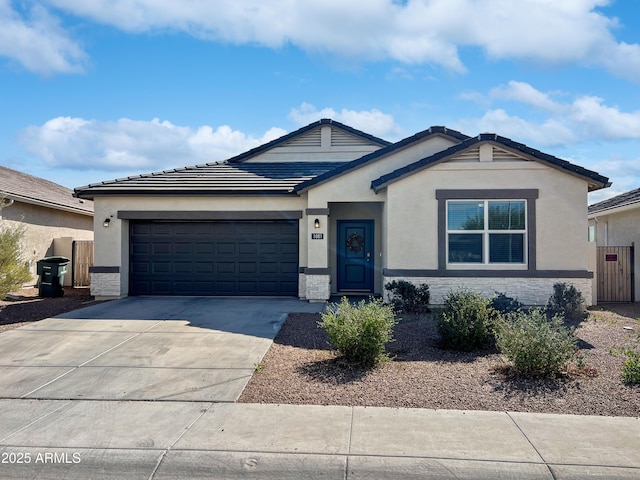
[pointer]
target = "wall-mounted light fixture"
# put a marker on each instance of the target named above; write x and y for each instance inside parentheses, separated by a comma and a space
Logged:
(106, 222)
(316, 223)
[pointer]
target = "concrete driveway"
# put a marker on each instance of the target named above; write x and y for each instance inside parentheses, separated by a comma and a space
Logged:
(142, 348)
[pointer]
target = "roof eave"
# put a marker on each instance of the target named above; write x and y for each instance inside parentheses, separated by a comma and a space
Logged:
(52, 205)
(88, 194)
(615, 209)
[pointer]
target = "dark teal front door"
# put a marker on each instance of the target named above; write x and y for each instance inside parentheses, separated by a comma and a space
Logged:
(355, 255)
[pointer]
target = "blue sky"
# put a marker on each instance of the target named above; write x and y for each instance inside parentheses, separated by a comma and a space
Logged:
(92, 90)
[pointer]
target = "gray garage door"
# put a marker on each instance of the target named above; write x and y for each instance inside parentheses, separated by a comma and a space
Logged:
(214, 258)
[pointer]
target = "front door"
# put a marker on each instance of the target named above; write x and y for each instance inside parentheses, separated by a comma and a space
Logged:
(355, 255)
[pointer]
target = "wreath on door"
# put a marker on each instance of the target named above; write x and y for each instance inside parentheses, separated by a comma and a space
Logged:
(355, 242)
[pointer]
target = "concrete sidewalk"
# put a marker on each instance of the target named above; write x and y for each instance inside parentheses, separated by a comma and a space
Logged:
(162, 440)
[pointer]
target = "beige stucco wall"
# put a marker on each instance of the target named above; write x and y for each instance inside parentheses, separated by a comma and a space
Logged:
(355, 186)
(41, 226)
(561, 222)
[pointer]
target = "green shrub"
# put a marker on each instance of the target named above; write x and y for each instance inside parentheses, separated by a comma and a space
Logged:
(406, 297)
(359, 332)
(567, 302)
(504, 304)
(631, 367)
(464, 322)
(14, 271)
(535, 344)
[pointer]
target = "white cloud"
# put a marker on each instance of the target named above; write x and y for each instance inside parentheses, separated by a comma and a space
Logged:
(550, 132)
(412, 32)
(585, 118)
(604, 122)
(524, 93)
(134, 145)
(372, 121)
(38, 42)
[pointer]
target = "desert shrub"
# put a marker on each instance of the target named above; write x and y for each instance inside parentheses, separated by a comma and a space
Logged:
(567, 302)
(406, 297)
(464, 322)
(505, 304)
(631, 367)
(14, 271)
(535, 344)
(359, 332)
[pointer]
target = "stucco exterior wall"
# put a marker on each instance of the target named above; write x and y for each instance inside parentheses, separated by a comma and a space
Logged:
(561, 223)
(355, 186)
(41, 226)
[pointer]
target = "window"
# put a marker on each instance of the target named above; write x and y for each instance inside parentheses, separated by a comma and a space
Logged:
(486, 231)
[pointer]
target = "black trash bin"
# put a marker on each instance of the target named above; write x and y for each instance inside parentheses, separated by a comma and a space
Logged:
(51, 271)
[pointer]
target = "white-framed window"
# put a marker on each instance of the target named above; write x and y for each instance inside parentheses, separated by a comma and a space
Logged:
(487, 232)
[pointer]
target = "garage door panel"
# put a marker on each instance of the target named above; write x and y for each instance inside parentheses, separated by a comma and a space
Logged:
(183, 248)
(204, 267)
(161, 249)
(204, 248)
(162, 229)
(214, 258)
(225, 248)
(183, 267)
(160, 288)
(289, 248)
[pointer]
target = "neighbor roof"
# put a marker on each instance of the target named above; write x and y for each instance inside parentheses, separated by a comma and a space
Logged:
(596, 181)
(26, 188)
(215, 179)
(622, 200)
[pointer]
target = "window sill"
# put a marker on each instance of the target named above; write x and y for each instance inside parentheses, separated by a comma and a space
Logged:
(482, 266)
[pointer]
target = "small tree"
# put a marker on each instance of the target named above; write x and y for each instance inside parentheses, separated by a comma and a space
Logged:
(14, 271)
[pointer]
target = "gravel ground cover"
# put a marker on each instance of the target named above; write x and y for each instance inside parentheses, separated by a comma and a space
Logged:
(301, 368)
(25, 306)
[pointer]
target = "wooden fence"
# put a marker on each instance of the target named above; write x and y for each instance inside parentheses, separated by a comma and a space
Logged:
(82, 260)
(615, 274)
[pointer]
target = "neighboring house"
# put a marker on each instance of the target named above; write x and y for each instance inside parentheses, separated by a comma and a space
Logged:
(329, 210)
(615, 223)
(48, 213)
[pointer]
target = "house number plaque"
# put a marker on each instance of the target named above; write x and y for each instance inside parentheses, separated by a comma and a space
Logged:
(317, 236)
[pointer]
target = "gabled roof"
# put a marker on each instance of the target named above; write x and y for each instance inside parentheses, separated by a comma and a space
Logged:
(382, 153)
(596, 181)
(215, 179)
(289, 136)
(22, 187)
(626, 199)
